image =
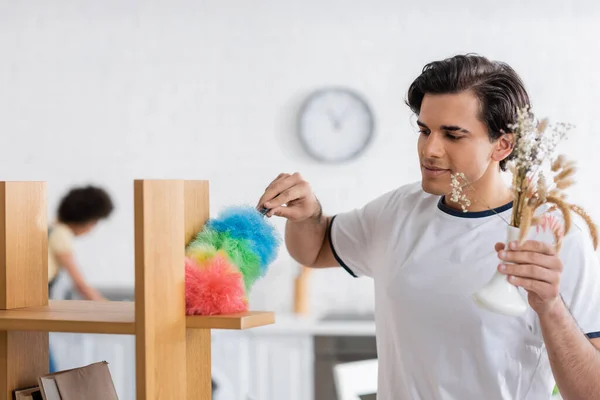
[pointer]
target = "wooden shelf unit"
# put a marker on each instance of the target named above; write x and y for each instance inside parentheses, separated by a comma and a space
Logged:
(173, 351)
(111, 317)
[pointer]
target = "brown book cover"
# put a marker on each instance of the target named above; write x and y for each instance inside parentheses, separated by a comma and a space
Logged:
(92, 382)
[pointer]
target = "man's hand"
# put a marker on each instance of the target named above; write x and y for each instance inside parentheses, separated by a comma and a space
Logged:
(291, 197)
(535, 267)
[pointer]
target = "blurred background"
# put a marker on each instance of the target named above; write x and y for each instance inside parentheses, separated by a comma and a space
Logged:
(107, 92)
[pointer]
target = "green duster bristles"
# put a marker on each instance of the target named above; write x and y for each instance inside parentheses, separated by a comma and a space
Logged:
(238, 250)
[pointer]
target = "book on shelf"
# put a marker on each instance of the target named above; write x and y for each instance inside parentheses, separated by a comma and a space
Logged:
(32, 393)
(91, 382)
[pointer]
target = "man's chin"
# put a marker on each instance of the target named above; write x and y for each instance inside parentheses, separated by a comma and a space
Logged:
(433, 188)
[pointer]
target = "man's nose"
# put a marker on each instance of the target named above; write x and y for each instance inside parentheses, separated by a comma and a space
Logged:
(434, 147)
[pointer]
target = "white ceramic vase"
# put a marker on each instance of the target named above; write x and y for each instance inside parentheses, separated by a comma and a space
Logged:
(499, 295)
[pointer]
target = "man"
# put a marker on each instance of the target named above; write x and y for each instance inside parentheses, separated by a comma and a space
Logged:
(427, 257)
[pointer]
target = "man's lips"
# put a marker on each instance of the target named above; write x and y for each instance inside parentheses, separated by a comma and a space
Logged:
(432, 172)
(432, 168)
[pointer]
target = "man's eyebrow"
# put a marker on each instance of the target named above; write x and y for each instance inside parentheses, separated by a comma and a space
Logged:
(453, 128)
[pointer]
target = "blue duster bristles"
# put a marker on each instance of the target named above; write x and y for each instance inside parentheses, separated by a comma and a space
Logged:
(245, 222)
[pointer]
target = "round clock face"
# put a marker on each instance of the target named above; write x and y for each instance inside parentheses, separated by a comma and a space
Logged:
(335, 124)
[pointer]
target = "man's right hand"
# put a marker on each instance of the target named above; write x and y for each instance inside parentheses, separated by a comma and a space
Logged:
(291, 197)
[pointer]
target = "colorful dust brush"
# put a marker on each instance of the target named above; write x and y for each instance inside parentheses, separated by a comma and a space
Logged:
(226, 258)
(214, 288)
(249, 224)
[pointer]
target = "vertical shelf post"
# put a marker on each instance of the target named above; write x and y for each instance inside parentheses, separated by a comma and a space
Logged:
(199, 371)
(23, 281)
(160, 323)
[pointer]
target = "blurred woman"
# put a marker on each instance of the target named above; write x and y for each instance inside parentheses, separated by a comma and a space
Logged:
(78, 213)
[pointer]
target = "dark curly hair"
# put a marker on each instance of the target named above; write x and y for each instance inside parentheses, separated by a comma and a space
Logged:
(497, 86)
(85, 204)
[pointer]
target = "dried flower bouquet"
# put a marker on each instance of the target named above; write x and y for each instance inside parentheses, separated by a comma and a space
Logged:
(535, 200)
(534, 147)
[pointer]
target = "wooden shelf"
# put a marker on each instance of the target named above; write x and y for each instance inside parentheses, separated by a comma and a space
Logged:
(111, 317)
(77, 316)
(251, 319)
(172, 352)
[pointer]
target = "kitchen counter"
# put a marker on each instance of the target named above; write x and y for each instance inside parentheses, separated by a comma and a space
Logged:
(339, 326)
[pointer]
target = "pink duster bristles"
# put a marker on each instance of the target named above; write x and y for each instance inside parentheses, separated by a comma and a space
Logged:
(214, 288)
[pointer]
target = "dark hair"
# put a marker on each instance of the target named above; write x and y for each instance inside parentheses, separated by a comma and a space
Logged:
(85, 204)
(497, 86)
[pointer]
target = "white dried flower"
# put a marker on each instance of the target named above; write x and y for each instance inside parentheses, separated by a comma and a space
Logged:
(535, 143)
(457, 195)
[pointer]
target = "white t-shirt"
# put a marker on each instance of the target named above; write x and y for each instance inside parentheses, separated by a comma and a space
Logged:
(427, 260)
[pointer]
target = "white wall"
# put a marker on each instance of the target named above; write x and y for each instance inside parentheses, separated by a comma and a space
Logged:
(110, 91)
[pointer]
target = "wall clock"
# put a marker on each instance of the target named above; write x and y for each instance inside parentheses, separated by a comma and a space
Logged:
(335, 124)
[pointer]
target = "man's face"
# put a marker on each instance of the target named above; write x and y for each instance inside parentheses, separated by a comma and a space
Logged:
(452, 140)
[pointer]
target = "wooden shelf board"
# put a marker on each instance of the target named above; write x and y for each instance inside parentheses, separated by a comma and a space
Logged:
(77, 316)
(247, 320)
(111, 317)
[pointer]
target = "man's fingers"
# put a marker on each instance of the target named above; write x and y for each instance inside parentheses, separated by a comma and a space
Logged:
(529, 271)
(544, 290)
(271, 190)
(534, 246)
(290, 213)
(528, 257)
(279, 178)
(277, 188)
(287, 196)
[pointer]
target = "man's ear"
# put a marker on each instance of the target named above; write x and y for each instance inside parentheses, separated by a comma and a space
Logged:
(503, 147)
